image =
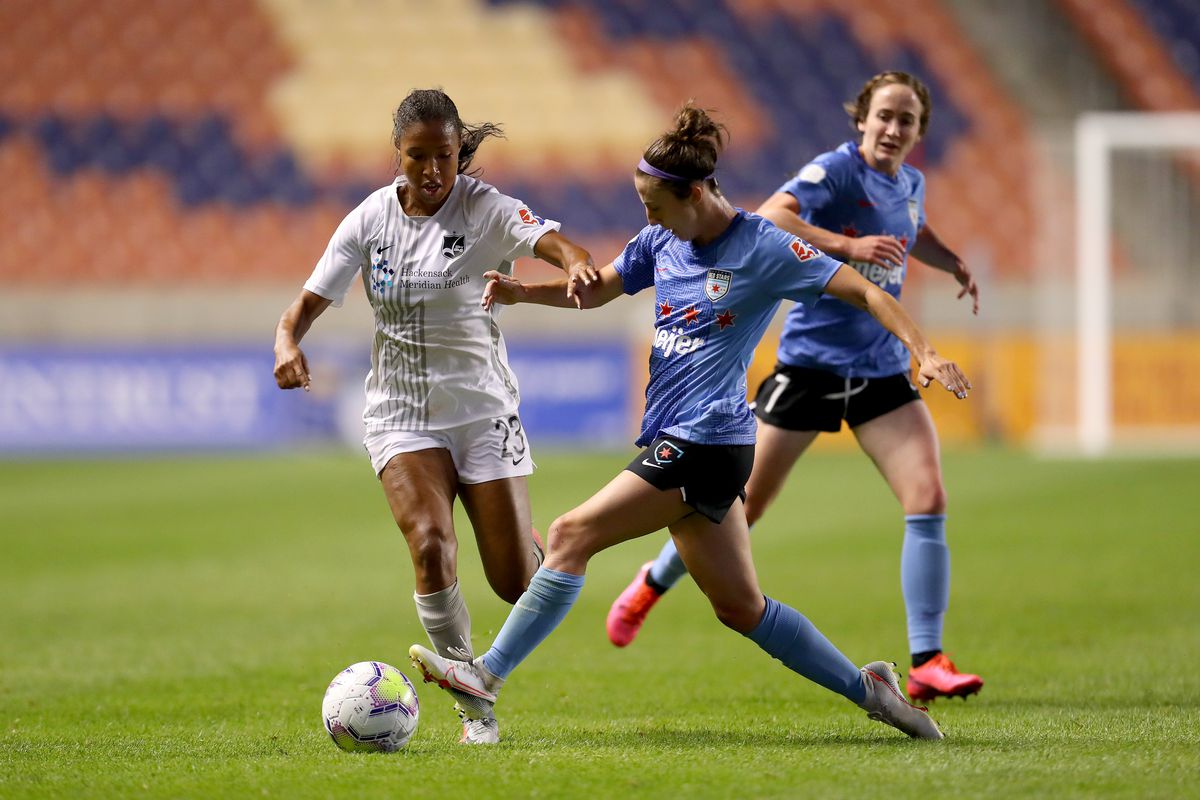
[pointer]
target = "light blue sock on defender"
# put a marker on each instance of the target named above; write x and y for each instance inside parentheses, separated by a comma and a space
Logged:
(538, 611)
(925, 579)
(668, 568)
(786, 634)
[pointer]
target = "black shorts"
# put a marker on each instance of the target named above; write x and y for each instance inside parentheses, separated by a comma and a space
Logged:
(711, 476)
(803, 399)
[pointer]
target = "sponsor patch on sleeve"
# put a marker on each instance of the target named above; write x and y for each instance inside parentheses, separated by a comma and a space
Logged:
(803, 250)
(529, 218)
(812, 173)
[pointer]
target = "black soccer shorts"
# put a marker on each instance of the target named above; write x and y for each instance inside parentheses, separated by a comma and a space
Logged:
(711, 476)
(803, 399)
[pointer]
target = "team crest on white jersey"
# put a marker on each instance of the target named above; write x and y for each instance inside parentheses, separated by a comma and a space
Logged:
(453, 245)
(716, 284)
(914, 210)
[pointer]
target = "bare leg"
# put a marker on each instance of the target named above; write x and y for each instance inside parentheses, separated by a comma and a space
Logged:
(627, 508)
(499, 513)
(420, 489)
(718, 556)
(624, 509)
(774, 456)
(903, 444)
(775, 453)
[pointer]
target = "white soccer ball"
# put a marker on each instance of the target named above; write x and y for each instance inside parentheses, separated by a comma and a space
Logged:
(370, 707)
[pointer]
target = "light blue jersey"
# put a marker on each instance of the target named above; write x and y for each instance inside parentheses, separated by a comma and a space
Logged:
(712, 305)
(839, 192)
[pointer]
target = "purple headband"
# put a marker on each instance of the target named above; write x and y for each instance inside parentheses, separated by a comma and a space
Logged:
(648, 168)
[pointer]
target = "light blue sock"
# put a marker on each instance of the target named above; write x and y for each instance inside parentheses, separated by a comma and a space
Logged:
(925, 579)
(538, 611)
(786, 634)
(668, 568)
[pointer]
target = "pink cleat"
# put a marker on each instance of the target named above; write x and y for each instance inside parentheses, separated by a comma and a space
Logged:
(938, 677)
(629, 610)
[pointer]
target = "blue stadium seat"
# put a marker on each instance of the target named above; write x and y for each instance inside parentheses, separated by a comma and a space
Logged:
(1177, 23)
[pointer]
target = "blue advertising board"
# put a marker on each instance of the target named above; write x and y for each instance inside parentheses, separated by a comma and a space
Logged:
(574, 392)
(138, 398)
(119, 399)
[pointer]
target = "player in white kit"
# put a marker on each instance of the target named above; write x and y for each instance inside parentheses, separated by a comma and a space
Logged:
(441, 401)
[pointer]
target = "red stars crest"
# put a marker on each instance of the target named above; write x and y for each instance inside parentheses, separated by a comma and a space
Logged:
(716, 284)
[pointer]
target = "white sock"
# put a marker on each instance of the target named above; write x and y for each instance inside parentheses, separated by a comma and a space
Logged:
(444, 616)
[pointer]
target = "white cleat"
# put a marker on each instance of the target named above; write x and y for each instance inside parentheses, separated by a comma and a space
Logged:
(462, 679)
(884, 703)
(480, 731)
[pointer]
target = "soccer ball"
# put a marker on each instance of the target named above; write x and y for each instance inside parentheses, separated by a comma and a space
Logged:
(370, 707)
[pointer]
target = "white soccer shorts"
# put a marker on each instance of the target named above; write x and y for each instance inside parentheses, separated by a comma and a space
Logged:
(482, 451)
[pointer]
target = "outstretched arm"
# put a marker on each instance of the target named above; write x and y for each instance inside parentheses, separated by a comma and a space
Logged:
(556, 249)
(784, 210)
(506, 290)
(846, 284)
(930, 249)
(291, 367)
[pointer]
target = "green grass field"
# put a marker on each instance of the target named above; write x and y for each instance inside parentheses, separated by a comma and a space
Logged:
(168, 629)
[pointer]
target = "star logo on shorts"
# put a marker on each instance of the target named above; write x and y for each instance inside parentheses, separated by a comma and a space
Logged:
(725, 319)
(666, 452)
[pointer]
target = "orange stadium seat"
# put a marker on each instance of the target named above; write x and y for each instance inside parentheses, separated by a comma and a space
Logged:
(1136, 55)
(149, 137)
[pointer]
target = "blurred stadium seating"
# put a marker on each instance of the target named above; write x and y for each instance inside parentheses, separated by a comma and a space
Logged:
(153, 146)
(1152, 48)
(140, 139)
(203, 149)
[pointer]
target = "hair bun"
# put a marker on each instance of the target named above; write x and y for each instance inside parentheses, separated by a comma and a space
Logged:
(690, 148)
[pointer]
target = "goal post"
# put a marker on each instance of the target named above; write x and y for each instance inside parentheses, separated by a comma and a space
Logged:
(1098, 136)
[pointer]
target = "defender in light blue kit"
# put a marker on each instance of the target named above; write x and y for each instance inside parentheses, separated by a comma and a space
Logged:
(712, 304)
(718, 275)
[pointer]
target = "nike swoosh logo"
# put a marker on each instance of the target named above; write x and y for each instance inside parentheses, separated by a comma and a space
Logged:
(648, 464)
(381, 249)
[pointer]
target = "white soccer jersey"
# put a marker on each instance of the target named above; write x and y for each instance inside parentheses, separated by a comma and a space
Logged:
(438, 359)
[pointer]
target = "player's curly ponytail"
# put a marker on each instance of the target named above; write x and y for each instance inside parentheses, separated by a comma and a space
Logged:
(434, 105)
(688, 152)
(861, 105)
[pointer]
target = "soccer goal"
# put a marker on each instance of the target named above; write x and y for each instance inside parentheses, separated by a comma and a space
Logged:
(1136, 288)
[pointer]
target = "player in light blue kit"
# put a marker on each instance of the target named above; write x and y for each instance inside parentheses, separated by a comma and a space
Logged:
(861, 203)
(718, 274)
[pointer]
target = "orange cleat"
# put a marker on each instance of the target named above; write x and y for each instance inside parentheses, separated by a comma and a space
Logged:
(938, 677)
(629, 610)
